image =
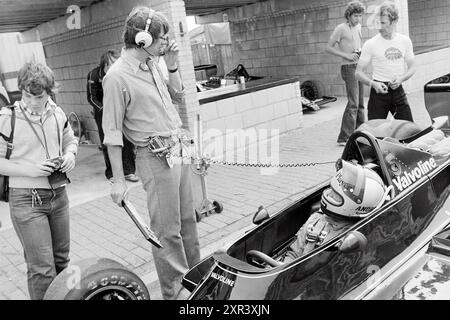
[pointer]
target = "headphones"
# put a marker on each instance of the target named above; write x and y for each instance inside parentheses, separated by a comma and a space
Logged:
(144, 38)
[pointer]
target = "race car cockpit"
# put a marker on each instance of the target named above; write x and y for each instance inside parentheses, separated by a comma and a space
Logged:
(388, 153)
(396, 158)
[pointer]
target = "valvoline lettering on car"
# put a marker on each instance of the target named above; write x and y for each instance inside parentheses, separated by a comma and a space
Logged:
(406, 165)
(409, 177)
(222, 279)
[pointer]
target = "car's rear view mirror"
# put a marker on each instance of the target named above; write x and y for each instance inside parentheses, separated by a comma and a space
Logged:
(353, 241)
(260, 215)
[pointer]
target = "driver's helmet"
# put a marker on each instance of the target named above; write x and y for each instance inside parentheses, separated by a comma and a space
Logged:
(354, 192)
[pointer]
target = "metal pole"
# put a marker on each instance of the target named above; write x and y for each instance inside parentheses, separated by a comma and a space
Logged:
(200, 156)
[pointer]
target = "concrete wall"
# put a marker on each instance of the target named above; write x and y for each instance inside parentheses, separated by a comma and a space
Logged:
(273, 108)
(73, 53)
(429, 22)
(288, 38)
(280, 38)
(240, 128)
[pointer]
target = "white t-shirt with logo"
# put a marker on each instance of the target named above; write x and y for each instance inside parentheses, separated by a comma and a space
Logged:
(387, 56)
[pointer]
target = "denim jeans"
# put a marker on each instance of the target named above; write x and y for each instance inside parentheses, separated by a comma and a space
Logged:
(128, 155)
(43, 229)
(393, 101)
(353, 115)
(172, 217)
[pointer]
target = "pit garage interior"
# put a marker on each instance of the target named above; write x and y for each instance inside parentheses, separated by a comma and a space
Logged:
(282, 40)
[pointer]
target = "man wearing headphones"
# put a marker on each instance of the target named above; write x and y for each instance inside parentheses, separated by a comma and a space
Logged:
(138, 102)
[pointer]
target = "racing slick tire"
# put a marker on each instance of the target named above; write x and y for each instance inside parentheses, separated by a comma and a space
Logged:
(312, 89)
(97, 279)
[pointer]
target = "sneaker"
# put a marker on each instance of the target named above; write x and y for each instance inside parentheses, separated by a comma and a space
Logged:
(131, 177)
(111, 180)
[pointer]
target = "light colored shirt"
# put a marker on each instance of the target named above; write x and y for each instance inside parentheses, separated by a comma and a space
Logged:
(348, 38)
(138, 101)
(27, 147)
(387, 56)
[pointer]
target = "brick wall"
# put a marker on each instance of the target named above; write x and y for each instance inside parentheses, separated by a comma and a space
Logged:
(272, 108)
(429, 22)
(288, 38)
(73, 53)
(237, 125)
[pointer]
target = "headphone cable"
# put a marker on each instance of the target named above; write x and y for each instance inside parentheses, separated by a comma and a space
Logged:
(141, 45)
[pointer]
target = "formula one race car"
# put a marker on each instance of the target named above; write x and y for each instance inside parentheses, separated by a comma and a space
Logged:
(385, 255)
(374, 258)
(400, 250)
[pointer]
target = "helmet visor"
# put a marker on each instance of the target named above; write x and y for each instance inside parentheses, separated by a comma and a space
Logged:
(333, 197)
(352, 181)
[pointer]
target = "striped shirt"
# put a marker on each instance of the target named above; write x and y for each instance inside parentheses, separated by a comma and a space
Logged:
(138, 102)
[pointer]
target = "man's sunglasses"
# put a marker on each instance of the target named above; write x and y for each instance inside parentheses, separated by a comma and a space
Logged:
(38, 96)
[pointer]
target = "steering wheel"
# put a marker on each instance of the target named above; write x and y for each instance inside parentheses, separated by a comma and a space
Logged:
(262, 257)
